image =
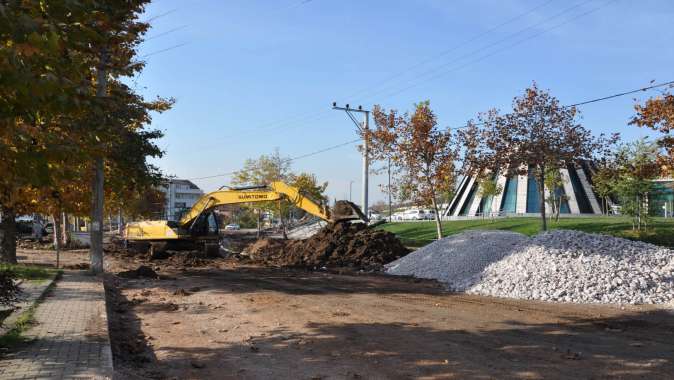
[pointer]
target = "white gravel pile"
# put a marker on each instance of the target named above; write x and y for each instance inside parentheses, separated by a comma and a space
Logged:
(573, 266)
(458, 260)
(563, 265)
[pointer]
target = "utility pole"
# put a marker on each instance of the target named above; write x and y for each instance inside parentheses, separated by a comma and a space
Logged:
(97, 194)
(390, 207)
(350, 184)
(363, 128)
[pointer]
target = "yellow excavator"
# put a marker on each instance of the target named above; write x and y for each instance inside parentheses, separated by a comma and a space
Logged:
(198, 227)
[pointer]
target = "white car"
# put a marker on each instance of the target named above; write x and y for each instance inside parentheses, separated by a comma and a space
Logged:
(375, 216)
(429, 214)
(232, 227)
(397, 216)
(414, 215)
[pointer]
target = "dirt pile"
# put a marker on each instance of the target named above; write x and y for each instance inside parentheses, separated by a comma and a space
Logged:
(340, 245)
(32, 244)
(142, 271)
(186, 259)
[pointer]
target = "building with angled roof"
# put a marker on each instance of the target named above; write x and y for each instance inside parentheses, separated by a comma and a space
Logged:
(520, 195)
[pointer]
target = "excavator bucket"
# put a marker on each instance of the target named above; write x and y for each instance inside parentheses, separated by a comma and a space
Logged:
(345, 210)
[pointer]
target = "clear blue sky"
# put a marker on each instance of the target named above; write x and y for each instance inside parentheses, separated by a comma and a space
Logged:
(255, 75)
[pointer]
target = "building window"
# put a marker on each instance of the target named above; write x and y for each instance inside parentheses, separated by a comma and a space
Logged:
(509, 202)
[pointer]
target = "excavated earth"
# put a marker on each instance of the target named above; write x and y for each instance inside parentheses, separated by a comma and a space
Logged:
(231, 320)
(351, 245)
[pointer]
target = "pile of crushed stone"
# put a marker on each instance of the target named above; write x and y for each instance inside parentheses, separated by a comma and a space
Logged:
(352, 245)
(560, 266)
(458, 260)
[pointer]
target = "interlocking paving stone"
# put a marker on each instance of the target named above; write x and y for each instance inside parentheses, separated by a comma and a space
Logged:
(70, 338)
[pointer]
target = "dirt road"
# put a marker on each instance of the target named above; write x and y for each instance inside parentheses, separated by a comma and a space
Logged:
(244, 322)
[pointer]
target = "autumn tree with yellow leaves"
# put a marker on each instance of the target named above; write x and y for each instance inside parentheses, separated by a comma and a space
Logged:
(422, 155)
(658, 114)
(53, 124)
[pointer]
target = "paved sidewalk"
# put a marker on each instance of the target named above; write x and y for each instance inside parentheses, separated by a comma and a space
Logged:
(70, 339)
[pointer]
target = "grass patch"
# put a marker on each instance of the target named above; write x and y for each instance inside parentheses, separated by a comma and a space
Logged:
(417, 234)
(30, 273)
(15, 336)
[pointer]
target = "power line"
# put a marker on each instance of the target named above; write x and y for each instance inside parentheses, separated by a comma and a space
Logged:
(670, 83)
(161, 15)
(163, 50)
(287, 159)
(439, 72)
(280, 125)
(165, 33)
(452, 49)
(311, 116)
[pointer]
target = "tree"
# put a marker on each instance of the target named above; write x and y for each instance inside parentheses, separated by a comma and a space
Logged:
(262, 171)
(658, 114)
(489, 188)
(422, 155)
(537, 136)
(383, 150)
(637, 165)
(554, 182)
(603, 182)
(270, 168)
(53, 122)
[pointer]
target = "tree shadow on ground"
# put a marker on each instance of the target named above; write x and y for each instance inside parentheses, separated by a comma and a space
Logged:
(132, 355)
(629, 347)
(293, 281)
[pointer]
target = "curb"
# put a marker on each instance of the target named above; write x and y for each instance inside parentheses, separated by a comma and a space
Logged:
(108, 367)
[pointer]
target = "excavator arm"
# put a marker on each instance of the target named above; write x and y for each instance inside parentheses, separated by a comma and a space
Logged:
(271, 192)
(162, 230)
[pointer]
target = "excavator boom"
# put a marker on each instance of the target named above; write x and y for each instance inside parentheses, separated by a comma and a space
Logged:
(164, 230)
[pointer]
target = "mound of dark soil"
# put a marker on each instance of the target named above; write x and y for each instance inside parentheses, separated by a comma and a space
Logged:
(142, 271)
(185, 259)
(79, 266)
(351, 245)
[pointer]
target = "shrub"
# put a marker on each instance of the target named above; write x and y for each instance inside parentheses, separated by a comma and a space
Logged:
(9, 290)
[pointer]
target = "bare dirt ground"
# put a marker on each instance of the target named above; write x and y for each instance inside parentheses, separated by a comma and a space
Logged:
(235, 321)
(69, 259)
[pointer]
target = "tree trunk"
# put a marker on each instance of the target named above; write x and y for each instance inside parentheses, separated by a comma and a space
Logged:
(541, 191)
(283, 224)
(119, 221)
(8, 236)
(438, 222)
(65, 234)
(56, 219)
(259, 224)
(96, 223)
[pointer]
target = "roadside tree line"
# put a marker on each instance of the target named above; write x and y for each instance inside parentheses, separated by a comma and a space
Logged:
(64, 104)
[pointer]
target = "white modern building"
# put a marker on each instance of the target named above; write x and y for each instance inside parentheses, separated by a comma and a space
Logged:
(520, 195)
(181, 195)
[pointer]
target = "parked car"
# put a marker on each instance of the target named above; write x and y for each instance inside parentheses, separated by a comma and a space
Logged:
(232, 227)
(397, 216)
(375, 216)
(429, 214)
(415, 214)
